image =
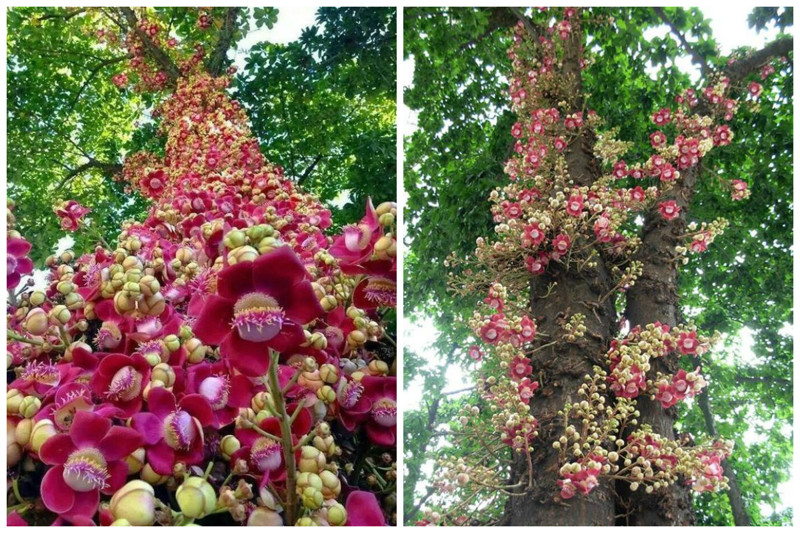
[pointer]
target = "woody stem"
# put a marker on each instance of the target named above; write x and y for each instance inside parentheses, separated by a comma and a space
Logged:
(286, 436)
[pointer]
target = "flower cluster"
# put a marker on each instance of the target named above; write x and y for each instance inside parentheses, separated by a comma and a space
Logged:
(226, 352)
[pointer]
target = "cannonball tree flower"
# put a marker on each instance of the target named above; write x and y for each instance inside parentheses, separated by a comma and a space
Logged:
(260, 306)
(379, 288)
(669, 209)
(739, 190)
(173, 431)
(357, 242)
(475, 353)
(688, 343)
(225, 391)
(264, 455)
(381, 426)
(18, 263)
(71, 213)
(520, 368)
(120, 380)
(88, 460)
(363, 509)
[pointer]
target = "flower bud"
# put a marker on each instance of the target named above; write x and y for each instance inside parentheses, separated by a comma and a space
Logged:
(149, 285)
(305, 521)
(242, 254)
(172, 342)
(268, 244)
(42, 430)
(149, 475)
(386, 219)
(328, 302)
(36, 322)
(22, 431)
(65, 287)
(132, 262)
(74, 301)
(311, 460)
(311, 498)
(329, 373)
(264, 517)
(228, 446)
(331, 486)
(29, 406)
(337, 515)
(135, 502)
(124, 303)
(37, 298)
(13, 448)
(195, 350)
(122, 522)
(196, 497)
(59, 315)
(153, 305)
(235, 239)
(377, 367)
(164, 373)
(14, 398)
(326, 394)
(356, 338)
(135, 461)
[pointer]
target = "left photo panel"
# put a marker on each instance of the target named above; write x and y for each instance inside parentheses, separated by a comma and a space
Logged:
(201, 266)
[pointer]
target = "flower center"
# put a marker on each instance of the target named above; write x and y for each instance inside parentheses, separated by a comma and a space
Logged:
(180, 430)
(348, 394)
(384, 412)
(44, 373)
(265, 454)
(356, 238)
(216, 389)
(125, 385)
(258, 317)
(77, 398)
(381, 291)
(85, 470)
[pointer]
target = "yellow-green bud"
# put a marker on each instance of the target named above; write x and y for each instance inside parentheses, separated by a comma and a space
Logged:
(36, 322)
(37, 298)
(331, 486)
(305, 522)
(195, 350)
(65, 287)
(242, 254)
(14, 399)
(42, 430)
(150, 476)
(135, 461)
(122, 522)
(228, 446)
(196, 497)
(135, 503)
(172, 342)
(311, 460)
(329, 373)
(74, 301)
(311, 498)
(22, 431)
(235, 239)
(149, 285)
(29, 406)
(386, 219)
(264, 517)
(326, 394)
(337, 515)
(59, 315)
(164, 373)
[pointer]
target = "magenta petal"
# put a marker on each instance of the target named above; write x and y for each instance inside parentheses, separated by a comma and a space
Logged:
(381, 436)
(88, 428)
(240, 391)
(56, 449)
(84, 508)
(277, 271)
(12, 280)
(363, 509)
(161, 402)
(291, 336)
(24, 265)
(303, 306)
(249, 358)
(161, 458)
(197, 406)
(118, 473)
(17, 247)
(120, 442)
(56, 494)
(215, 320)
(235, 281)
(149, 426)
(15, 520)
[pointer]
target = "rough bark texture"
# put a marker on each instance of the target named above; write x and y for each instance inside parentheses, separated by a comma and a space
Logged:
(562, 367)
(653, 298)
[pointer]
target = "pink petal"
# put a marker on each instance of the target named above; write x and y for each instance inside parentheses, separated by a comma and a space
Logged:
(161, 402)
(118, 471)
(17, 247)
(249, 358)
(149, 426)
(161, 458)
(15, 520)
(56, 494)
(291, 336)
(215, 320)
(302, 424)
(56, 449)
(88, 429)
(303, 306)
(24, 265)
(84, 508)
(12, 280)
(197, 406)
(240, 391)
(235, 281)
(381, 436)
(120, 442)
(363, 509)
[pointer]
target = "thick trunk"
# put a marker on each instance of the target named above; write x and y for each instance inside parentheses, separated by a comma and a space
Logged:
(653, 298)
(563, 367)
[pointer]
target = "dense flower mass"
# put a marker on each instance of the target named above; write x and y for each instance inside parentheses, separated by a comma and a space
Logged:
(226, 356)
(547, 223)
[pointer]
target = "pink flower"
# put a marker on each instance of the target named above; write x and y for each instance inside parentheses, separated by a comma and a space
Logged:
(475, 353)
(259, 305)
(225, 392)
(120, 380)
(739, 191)
(381, 425)
(620, 169)
(537, 265)
(561, 244)
(153, 183)
(688, 343)
(534, 235)
(527, 388)
(88, 460)
(669, 209)
(520, 368)
(173, 431)
(356, 243)
(700, 242)
(575, 205)
(71, 213)
(17, 261)
(657, 139)
(379, 288)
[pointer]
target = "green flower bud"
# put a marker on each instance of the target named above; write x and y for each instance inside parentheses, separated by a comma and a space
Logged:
(311, 460)
(134, 503)
(59, 315)
(196, 497)
(37, 298)
(337, 515)
(228, 446)
(29, 406)
(36, 322)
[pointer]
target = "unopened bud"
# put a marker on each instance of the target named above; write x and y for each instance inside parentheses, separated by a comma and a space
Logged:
(196, 497)
(135, 502)
(36, 322)
(29, 406)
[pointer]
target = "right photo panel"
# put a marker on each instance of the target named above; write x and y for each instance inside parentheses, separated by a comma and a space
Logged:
(598, 266)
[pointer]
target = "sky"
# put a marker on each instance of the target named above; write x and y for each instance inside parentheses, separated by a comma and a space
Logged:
(730, 28)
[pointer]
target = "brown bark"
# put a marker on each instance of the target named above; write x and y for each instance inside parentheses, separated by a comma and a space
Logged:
(564, 365)
(654, 297)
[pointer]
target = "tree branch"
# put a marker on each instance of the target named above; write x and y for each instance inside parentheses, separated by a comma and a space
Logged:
(64, 16)
(109, 168)
(696, 57)
(216, 61)
(742, 68)
(309, 169)
(94, 72)
(156, 54)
